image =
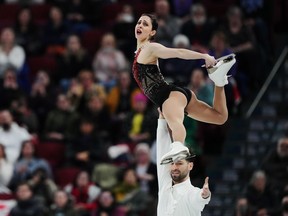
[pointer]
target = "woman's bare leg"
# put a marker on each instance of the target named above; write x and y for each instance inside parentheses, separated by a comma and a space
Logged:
(173, 111)
(218, 114)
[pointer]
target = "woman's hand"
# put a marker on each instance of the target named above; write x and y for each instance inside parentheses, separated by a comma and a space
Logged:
(209, 61)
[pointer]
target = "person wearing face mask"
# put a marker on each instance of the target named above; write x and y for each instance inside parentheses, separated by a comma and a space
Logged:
(11, 135)
(198, 28)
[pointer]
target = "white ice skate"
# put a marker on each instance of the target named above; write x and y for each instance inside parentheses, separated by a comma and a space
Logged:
(218, 73)
(178, 152)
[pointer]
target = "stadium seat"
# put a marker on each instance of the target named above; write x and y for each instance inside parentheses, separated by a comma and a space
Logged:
(53, 152)
(65, 175)
(41, 62)
(91, 40)
(40, 13)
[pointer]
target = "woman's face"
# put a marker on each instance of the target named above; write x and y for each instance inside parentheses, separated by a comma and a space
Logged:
(143, 28)
(83, 179)
(7, 36)
(24, 16)
(28, 149)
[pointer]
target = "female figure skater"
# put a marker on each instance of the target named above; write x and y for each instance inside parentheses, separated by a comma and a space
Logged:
(176, 101)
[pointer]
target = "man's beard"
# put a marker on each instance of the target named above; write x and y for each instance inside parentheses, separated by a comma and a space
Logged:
(6, 127)
(179, 177)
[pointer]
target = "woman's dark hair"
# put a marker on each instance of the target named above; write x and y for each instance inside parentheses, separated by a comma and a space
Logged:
(153, 21)
(3, 150)
(22, 147)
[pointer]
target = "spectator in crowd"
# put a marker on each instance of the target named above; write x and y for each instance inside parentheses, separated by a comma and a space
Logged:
(97, 111)
(181, 8)
(198, 28)
(76, 14)
(42, 97)
(119, 101)
(6, 170)
(61, 122)
(140, 123)
(242, 207)
(62, 205)
(28, 163)
(108, 61)
(11, 54)
(11, 135)
(129, 195)
(123, 29)
(242, 43)
(178, 69)
(261, 197)
(27, 205)
(88, 147)
(27, 33)
(10, 91)
(107, 205)
(74, 59)
(219, 47)
(43, 187)
(84, 192)
(284, 206)
(275, 164)
(55, 31)
(81, 90)
(25, 116)
(204, 91)
(168, 25)
(146, 171)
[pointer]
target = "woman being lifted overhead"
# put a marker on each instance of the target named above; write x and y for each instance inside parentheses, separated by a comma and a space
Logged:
(175, 101)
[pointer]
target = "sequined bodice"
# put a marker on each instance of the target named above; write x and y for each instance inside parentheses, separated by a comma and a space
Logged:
(148, 77)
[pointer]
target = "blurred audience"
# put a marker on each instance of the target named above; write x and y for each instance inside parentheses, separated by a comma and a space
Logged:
(146, 171)
(108, 61)
(275, 164)
(198, 28)
(81, 90)
(55, 32)
(28, 163)
(178, 70)
(139, 122)
(11, 54)
(88, 147)
(6, 171)
(11, 135)
(123, 29)
(61, 122)
(129, 195)
(43, 186)
(10, 92)
(42, 97)
(242, 207)
(261, 197)
(74, 59)
(84, 192)
(242, 42)
(77, 12)
(119, 102)
(25, 116)
(62, 205)
(108, 206)
(168, 25)
(27, 204)
(27, 32)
